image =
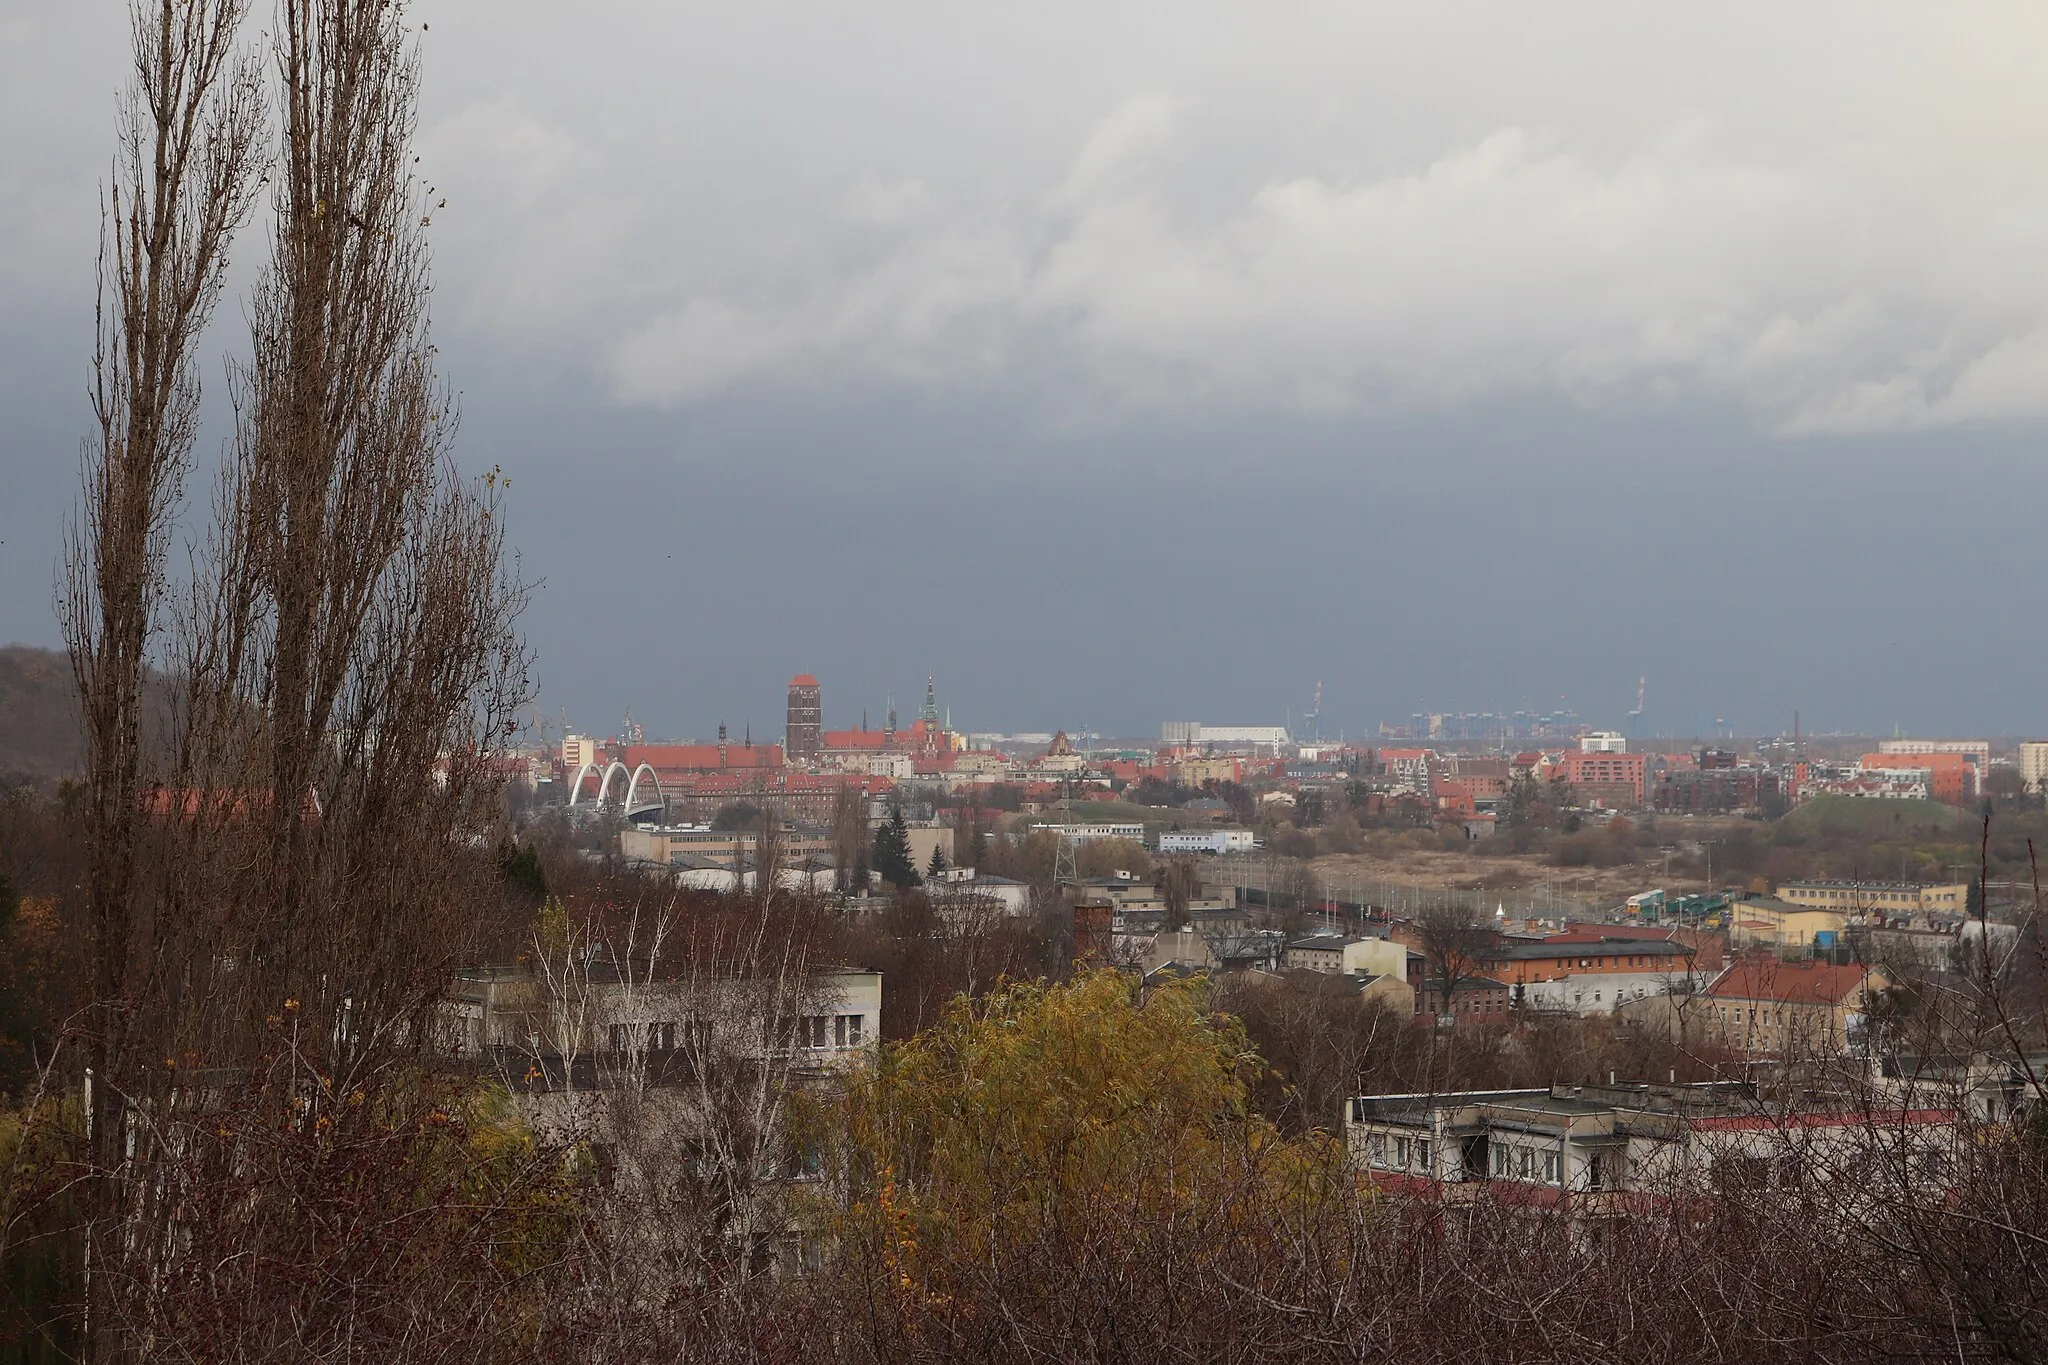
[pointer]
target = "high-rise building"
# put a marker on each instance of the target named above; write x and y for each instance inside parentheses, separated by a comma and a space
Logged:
(2034, 764)
(801, 742)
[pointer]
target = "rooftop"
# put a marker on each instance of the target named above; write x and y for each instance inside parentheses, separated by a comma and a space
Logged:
(1792, 983)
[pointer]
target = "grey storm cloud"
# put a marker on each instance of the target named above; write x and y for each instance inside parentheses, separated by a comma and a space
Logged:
(1207, 321)
(1829, 219)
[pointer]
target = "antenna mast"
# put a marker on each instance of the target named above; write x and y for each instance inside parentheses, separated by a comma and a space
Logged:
(1063, 870)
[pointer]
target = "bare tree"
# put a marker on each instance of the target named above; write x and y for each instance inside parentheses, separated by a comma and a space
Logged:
(274, 924)
(1179, 882)
(183, 183)
(849, 835)
(1459, 945)
(676, 1036)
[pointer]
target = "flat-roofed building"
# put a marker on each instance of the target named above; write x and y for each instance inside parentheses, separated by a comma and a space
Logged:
(1613, 779)
(701, 845)
(1780, 923)
(2034, 764)
(1617, 1148)
(1205, 841)
(1859, 897)
(1952, 778)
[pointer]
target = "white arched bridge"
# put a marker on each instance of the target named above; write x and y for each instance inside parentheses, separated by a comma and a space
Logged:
(630, 796)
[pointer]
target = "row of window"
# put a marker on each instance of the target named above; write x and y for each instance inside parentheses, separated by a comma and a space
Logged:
(1396, 1153)
(1521, 1163)
(811, 1031)
(1505, 1160)
(1615, 963)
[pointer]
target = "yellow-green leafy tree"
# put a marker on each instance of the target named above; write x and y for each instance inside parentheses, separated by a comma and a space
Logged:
(1067, 1156)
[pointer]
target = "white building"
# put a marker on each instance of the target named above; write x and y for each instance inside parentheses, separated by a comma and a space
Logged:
(1603, 742)
(1205, 841)
(2034, 763)
(1632, 1138)
(1183, 733)
(1082, 834)
(964, 884)
(1596, 992)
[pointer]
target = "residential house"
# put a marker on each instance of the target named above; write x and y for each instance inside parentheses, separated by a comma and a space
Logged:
(1342, 953)
(1811, 1008)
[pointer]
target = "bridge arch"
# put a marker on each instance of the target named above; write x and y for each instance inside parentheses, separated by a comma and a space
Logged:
(605, 774)
(576, 786)
(633, 787)
(604, 788)
(604, 785)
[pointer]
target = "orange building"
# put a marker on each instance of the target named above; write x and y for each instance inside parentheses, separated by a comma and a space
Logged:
(1591, 952)
(1952, 778)
(1613, 779)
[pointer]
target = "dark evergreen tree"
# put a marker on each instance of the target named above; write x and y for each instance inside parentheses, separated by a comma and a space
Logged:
(892, 852)
(937, 864)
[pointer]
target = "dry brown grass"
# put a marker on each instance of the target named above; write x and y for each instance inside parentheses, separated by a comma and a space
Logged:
(1505, 872)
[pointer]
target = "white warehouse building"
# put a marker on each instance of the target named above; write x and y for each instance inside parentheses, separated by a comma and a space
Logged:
(1205, 841)
(1182, 733)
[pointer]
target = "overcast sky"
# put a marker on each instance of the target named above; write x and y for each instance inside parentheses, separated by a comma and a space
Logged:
(1119, 363)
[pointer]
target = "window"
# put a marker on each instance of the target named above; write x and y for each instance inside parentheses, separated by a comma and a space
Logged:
(1550, 1168)
(810, 1031)
(661, 1036)
(1525, 1163)
(1422, 1155)
(846, 1030)
(1401, 1153)
(1502, 1155)
(1379, 1149)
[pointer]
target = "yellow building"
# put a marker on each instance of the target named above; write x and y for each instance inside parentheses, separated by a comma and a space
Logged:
(726, 848)
(1195, 771)
(1854, 898)
(1781, 923)
(1810, 1008)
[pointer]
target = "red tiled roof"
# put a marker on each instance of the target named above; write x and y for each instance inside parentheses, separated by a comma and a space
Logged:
(689, 758)
(1790, 983)
(803, 680)
(164, 802)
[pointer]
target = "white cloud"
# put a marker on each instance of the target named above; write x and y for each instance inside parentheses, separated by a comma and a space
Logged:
(1828, 218)
(1514, 264)
(871, 201)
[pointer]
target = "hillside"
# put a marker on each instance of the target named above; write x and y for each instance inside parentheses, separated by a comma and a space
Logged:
(39, 737)
(1835, 817)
